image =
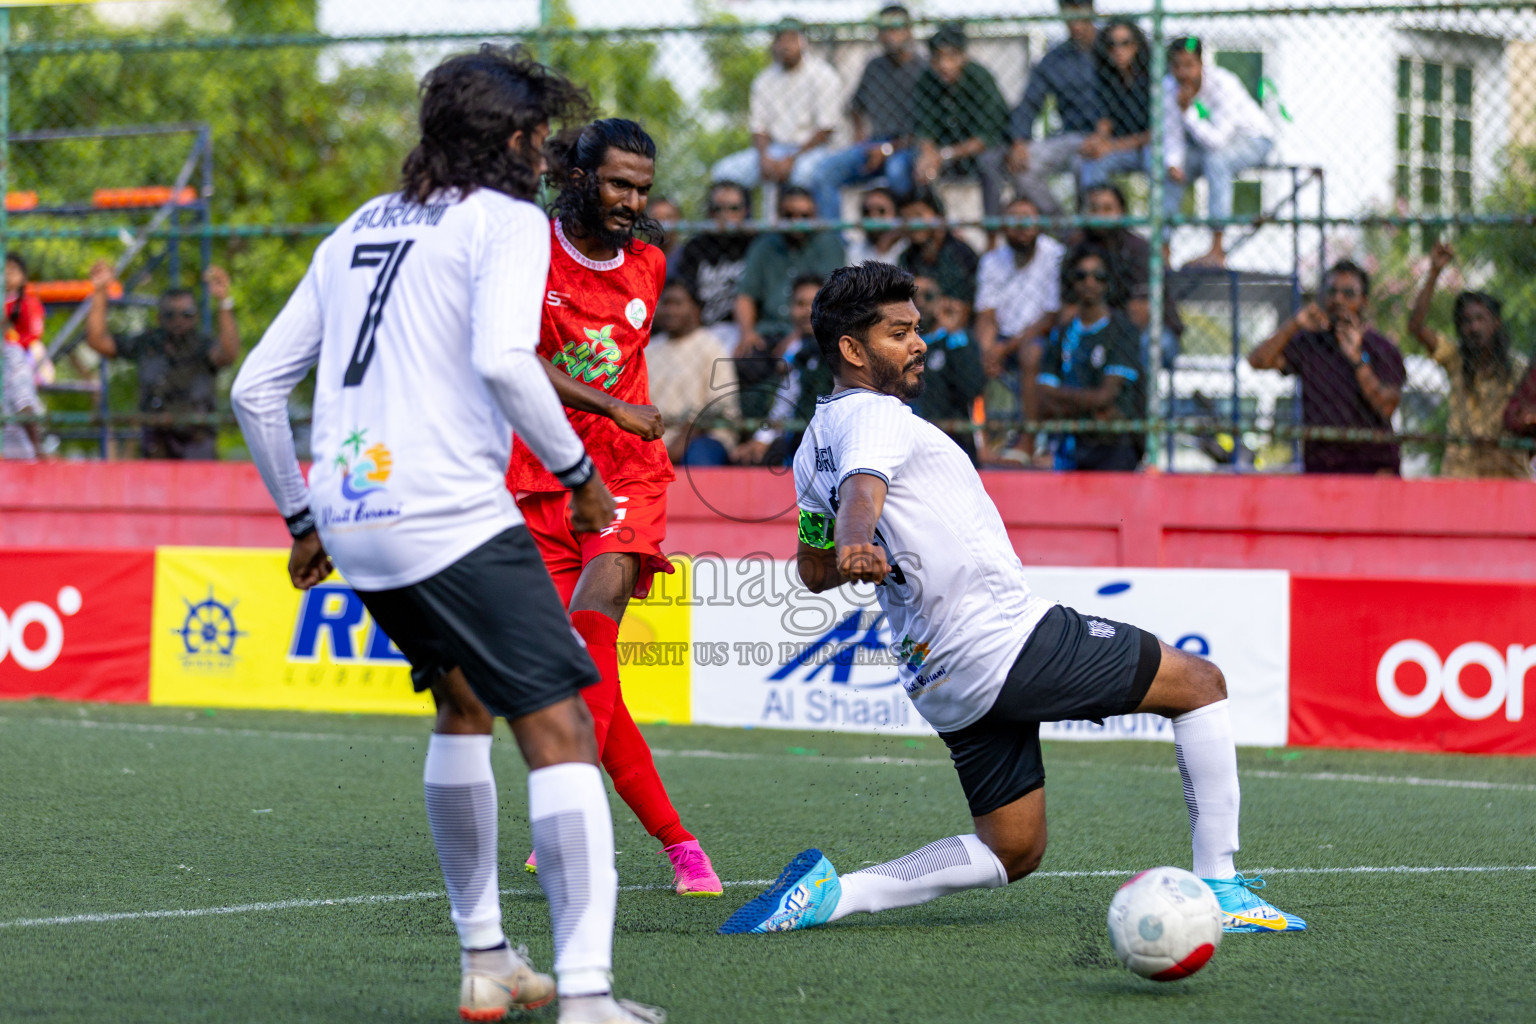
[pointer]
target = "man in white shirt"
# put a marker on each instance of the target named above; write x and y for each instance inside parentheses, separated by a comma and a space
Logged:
(886, 499)
(794, 109)
(693, 381)
(420, 317)
(1215, 129)
(1018, 288)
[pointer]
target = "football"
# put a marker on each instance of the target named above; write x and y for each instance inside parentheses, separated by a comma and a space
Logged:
(1164, 924)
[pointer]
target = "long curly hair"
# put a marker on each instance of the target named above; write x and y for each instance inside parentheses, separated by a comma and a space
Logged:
(584, 149)
(1495, 360)
(471, 105)
(1117, 290)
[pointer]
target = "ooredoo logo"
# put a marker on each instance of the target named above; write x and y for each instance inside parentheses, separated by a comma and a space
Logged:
(14, 640)
(1506, 675)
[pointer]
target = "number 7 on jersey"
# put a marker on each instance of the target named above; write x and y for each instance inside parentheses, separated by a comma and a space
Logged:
(387, 256)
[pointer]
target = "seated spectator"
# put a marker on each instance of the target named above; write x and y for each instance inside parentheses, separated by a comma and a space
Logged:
(1018, 291)
(800, 377)
(692, 378)
(775, 260)
(1219, 131)
(178, 363)
(1091, 368)
(1133, 257)
(711, 264)
(1067, 73)
(952, 374)
(666, 213)
(1351, 375)
(1122, 79)
(882, 115)
(961, 119)
(936, 253)
(793, 112)
(1482, 377)
(882, 244)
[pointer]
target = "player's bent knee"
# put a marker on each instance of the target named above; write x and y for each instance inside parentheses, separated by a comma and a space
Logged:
(1023, 859)
(558, 734)
(459, 711)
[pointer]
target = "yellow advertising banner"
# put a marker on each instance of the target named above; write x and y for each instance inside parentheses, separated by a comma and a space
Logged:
(230, 631)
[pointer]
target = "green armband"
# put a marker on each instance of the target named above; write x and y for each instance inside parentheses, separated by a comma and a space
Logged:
(816, 529)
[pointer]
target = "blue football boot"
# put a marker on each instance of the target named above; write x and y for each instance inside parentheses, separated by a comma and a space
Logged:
(804, 896)
(1242, 910)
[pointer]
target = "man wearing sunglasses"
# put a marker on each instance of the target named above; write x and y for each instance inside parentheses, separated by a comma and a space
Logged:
(1351, 375)
(178, 362)
(711, 264)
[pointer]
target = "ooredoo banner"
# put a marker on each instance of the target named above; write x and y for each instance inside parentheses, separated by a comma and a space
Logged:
(1412, 664)
(75, 624)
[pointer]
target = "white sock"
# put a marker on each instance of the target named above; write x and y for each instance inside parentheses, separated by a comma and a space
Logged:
(573, 836)
(1202, 739)
(461, 808)
(938, 869)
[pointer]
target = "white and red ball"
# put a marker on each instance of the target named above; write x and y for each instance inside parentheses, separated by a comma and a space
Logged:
(1164, 924)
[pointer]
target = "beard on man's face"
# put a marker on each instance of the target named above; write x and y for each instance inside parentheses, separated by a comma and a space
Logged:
(891, 378)
(581, 203)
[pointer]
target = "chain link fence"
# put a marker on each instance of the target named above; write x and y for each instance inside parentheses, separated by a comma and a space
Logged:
(168, 137)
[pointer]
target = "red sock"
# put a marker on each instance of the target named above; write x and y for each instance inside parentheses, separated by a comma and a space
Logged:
(602, 636)
(627, 758)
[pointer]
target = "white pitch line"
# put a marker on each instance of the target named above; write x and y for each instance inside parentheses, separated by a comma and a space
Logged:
(724, 755)
(524, 892)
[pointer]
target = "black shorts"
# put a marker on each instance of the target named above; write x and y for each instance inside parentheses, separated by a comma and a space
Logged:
(1073, 666)
(495, 614)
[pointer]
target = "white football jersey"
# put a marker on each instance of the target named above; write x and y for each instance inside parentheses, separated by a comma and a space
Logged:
(423, 320)
(956, 599)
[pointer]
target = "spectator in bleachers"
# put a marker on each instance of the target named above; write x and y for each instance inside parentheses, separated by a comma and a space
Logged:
(18, 366)
(1481, 373)
(1133, 256)
(1067, 73)
(1123, 81)
(884, 245)
(952, 374)
(711, 264)
(691, 375)
(775, 260)
(794, 108)
(666, 213)
(1351, 375)
(1018, 291)
(799, 378)
(1215, 129)
(178, 364)
(962, 119)
(1091, 367)
(882, 114)
(935, 252)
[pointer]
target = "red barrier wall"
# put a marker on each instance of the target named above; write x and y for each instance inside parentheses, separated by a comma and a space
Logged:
(1468, 529)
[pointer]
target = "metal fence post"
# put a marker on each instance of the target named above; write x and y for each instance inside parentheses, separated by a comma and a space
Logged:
(1155, 269)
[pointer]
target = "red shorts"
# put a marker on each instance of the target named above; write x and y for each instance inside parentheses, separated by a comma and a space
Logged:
(639, 528)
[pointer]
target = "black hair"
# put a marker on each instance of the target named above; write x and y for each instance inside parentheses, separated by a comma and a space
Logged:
(926, 196)
(471, 105)
(950, 35)
(20, 261)
(1020, 197)
(1106, 186)
(1116, 294)
(890, 12)
(1474, 363)
(1351, 267)
(850, 303)
(794, 192)
(585, 149)
(1140, 67)
(806, 279)
(746, 193)
(171, 294)
(1182, 44)
(688, 285)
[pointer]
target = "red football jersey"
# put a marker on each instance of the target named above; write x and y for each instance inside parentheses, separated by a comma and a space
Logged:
(597, 322)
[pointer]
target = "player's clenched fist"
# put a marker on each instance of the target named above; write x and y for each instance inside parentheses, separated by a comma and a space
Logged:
(642, 420)
(863, 563)
(592, 507)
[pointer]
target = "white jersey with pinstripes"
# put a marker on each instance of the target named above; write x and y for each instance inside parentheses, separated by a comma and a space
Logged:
(422, 321)
(958, 605)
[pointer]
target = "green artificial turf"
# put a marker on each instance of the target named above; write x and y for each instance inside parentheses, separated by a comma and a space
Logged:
(109, 810)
